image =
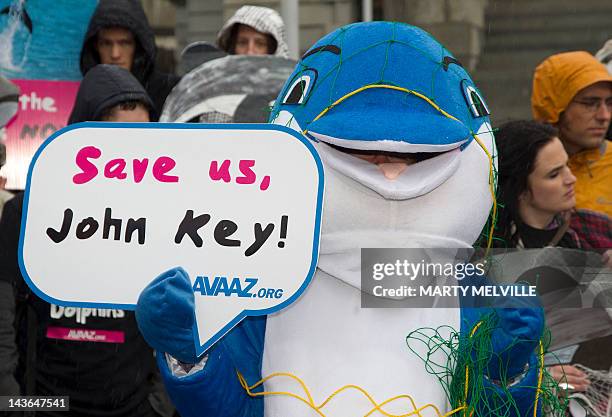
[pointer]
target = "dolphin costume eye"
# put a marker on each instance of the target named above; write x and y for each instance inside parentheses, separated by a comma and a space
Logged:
(300, 87)
(475, 101)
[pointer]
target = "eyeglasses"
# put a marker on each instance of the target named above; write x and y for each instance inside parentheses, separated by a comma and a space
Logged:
(592, 105)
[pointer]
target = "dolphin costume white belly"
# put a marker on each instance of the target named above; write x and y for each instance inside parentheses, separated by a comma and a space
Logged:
(313, 330)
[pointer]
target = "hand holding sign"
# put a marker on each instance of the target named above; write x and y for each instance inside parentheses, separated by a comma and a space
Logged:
(165, 315)
(109, 207)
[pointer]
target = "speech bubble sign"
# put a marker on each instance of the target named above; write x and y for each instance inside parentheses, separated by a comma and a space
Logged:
(109, 206)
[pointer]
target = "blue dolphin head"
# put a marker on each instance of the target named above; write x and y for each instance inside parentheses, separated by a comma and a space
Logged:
(397, 120)
(382, 86)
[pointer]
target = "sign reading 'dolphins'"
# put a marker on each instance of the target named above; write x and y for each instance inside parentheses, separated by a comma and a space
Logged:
(110, 206)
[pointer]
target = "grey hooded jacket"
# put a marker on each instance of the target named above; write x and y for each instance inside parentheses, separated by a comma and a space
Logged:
(263, 19)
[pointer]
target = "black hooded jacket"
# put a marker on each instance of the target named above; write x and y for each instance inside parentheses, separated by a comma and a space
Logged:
(130, 15)
(104, 87)
(97, 357)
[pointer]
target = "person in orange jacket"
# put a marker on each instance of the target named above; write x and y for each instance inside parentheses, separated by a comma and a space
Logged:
(573, 92)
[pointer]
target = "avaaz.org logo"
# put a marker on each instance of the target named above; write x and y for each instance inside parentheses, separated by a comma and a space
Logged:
(236, 287)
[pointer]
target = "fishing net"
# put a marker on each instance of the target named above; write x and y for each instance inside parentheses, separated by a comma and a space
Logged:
(597, 399)
(462, 372)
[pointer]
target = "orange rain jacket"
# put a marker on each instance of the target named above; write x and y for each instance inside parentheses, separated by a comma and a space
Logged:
(555, 83)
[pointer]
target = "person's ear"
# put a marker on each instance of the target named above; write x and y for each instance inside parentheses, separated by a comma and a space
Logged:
(561, 118)
(525, 196)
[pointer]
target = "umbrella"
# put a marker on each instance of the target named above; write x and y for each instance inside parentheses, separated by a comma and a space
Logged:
(232, 89)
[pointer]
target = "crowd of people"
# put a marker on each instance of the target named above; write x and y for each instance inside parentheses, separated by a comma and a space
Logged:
(554, 189)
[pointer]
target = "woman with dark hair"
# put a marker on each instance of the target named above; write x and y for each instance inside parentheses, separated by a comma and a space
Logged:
(536, 194)
(536, 199)
(535, 188)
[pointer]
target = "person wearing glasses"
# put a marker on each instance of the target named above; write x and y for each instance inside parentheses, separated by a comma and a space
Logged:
(573, 92)
(604, 55)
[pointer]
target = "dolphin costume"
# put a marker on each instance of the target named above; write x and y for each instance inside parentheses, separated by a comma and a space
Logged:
(368, 87)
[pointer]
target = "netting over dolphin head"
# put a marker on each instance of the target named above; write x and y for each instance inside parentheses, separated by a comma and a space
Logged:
(388, 87)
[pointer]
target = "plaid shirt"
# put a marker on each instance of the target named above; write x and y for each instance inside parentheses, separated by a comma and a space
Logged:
(592, 229)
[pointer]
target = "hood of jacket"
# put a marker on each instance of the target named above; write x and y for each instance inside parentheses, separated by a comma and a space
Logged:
(559, 78)
(262, 19)
(127, 14)
(103, 87)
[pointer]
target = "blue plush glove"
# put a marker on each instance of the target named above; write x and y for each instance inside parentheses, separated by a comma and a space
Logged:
(165, 315)
(514, 341)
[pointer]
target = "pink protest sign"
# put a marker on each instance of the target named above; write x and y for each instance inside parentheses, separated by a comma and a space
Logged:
(44, 108)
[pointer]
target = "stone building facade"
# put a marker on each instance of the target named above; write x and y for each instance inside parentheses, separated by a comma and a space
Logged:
(457, 23)
(499, 41)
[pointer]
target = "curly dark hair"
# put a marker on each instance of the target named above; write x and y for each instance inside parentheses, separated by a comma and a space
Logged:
(518, 144)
